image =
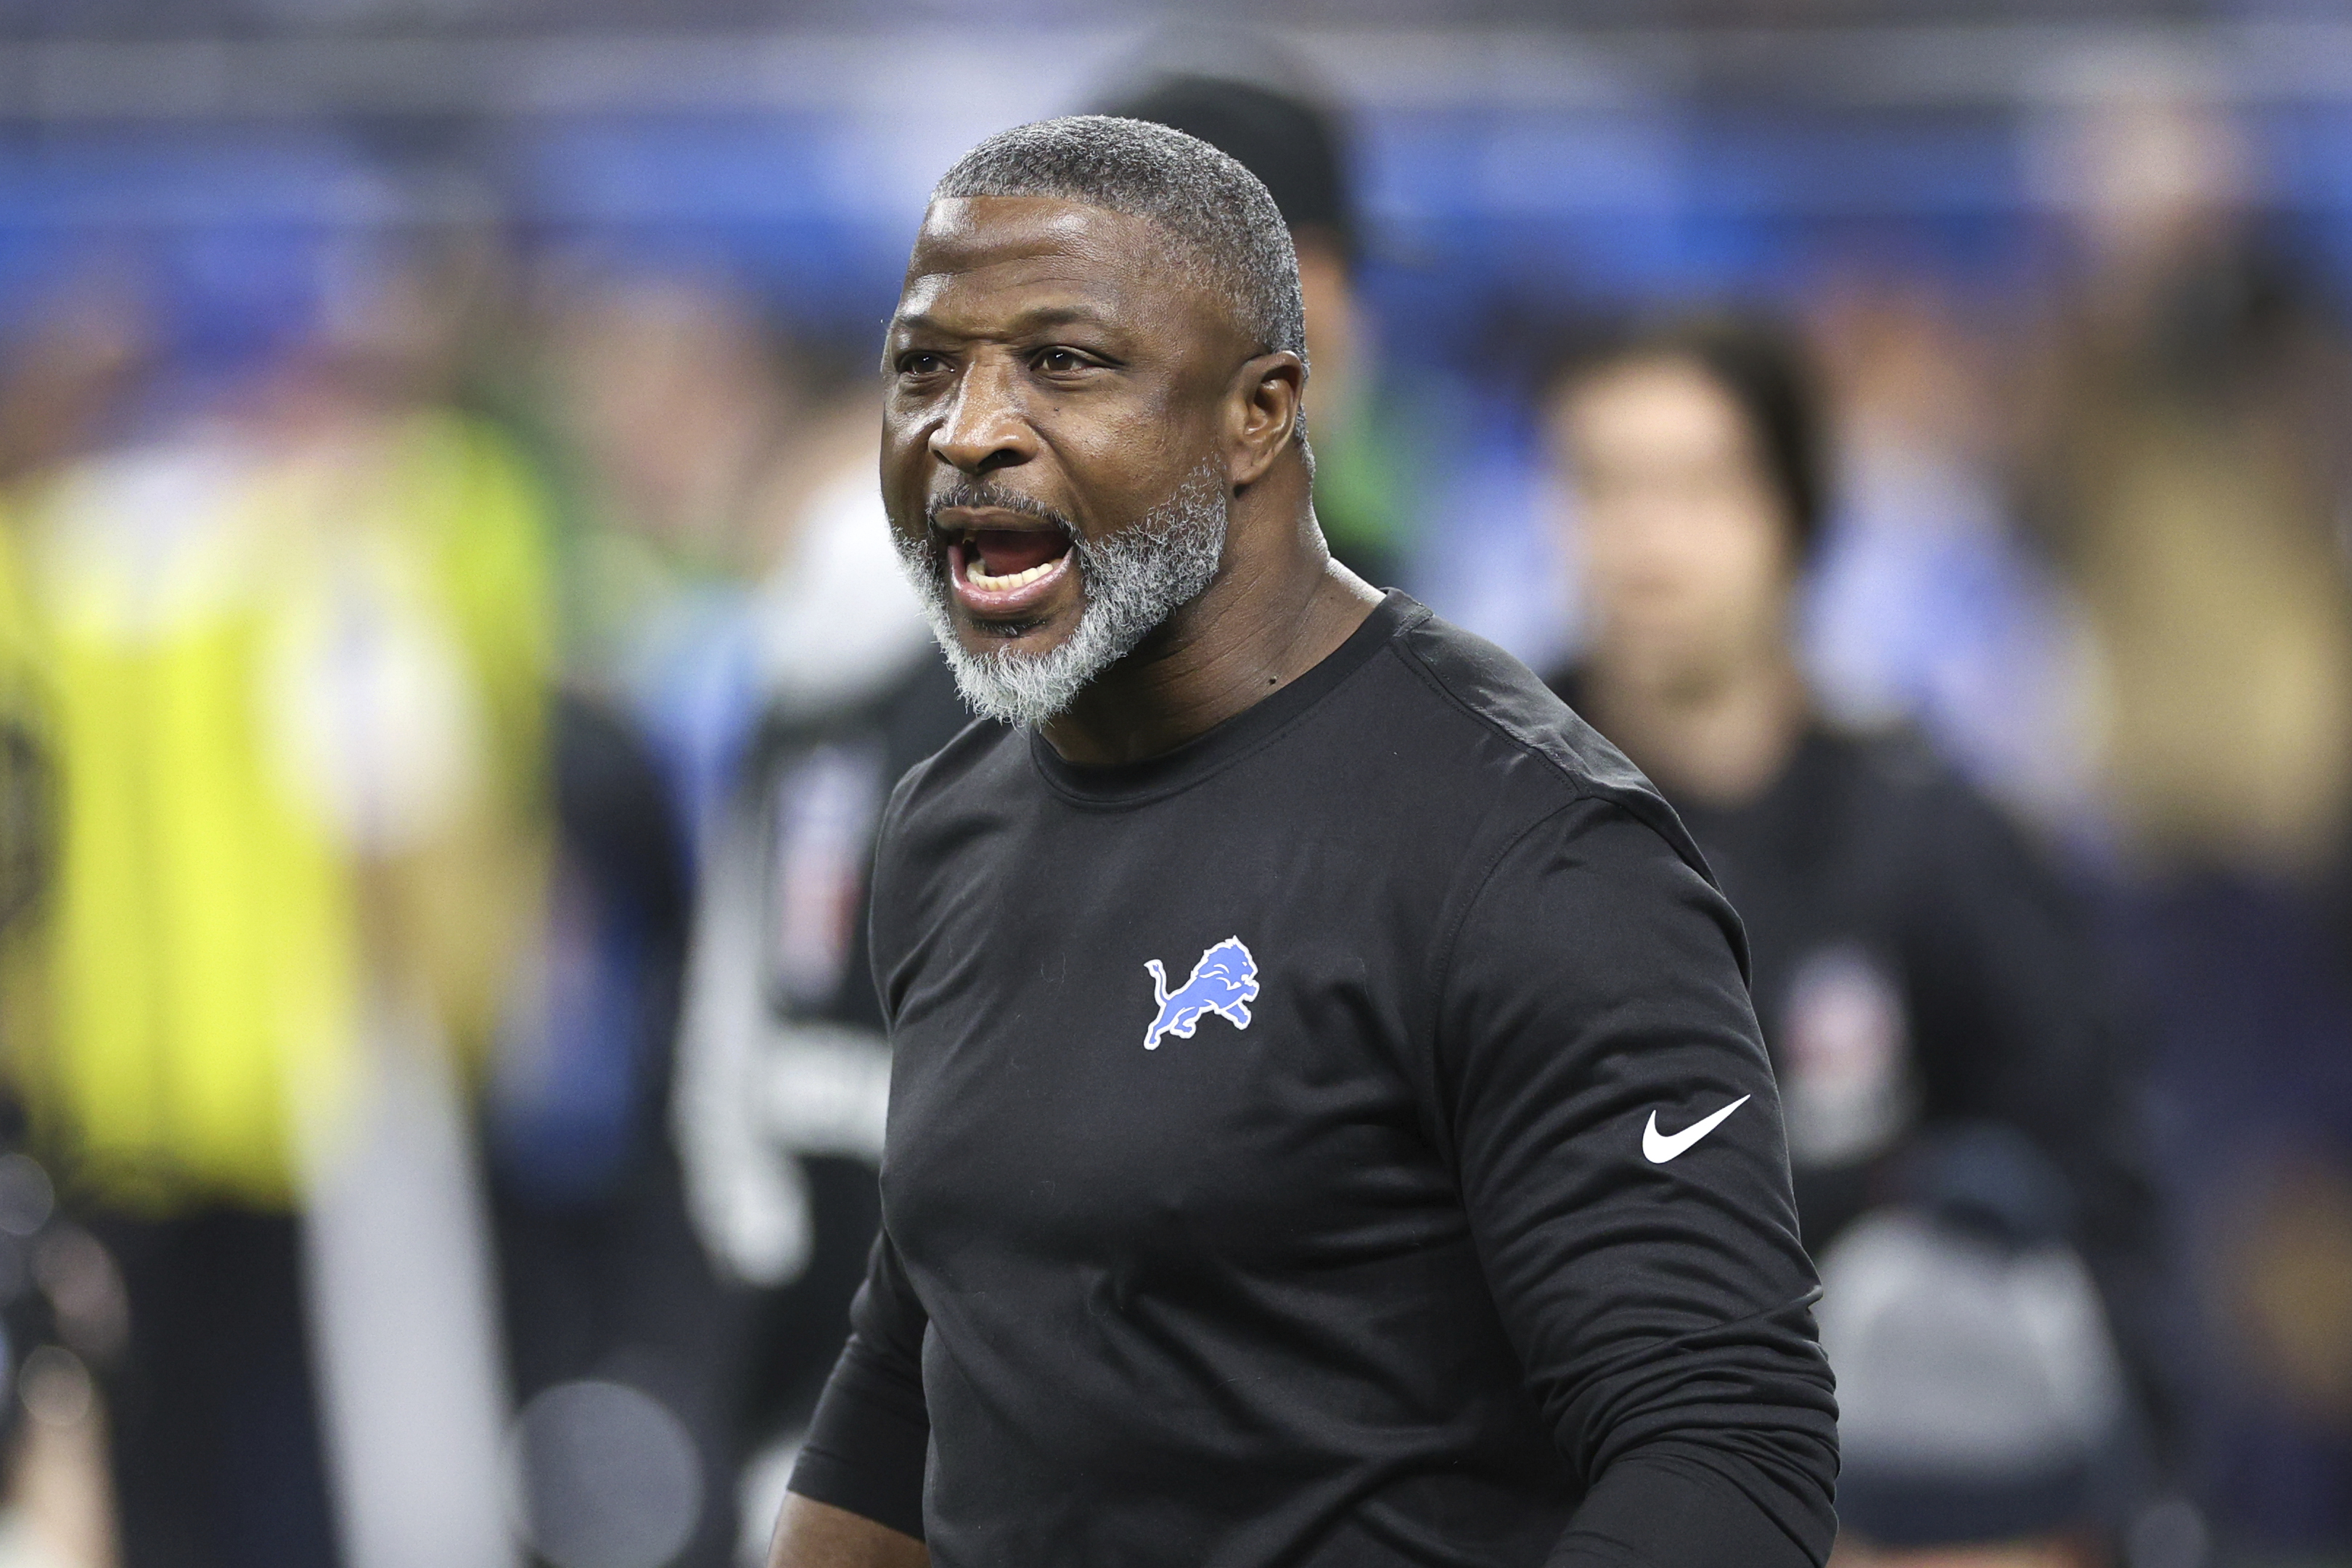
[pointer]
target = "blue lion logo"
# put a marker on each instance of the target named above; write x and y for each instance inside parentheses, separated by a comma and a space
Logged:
(1223, 981)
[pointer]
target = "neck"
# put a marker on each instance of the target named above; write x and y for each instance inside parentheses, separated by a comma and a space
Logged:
(1719, 743)
(1280, 606)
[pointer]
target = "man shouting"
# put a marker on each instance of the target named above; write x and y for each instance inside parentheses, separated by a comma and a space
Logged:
(1327, 1124)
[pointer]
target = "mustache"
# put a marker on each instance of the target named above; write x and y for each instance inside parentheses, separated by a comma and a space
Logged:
(979, 494)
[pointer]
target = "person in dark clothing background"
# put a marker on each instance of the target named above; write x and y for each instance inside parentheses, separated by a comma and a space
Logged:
(782, 1070)
(1921, 974)
(781, 1018)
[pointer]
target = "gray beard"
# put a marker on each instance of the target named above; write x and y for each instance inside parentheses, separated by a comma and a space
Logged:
(1133, 582)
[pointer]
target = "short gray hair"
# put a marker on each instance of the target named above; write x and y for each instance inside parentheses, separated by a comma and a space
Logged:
(1215, 210)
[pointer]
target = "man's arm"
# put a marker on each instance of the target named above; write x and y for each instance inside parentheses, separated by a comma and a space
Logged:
(811, 1535)
(1593, 1014)
(857, 1488)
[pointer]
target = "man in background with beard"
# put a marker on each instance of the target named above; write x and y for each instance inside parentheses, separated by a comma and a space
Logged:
(1438, 1212)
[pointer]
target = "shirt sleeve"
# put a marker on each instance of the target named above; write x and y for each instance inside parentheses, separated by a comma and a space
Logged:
(1593, 1016)
(871, 1439)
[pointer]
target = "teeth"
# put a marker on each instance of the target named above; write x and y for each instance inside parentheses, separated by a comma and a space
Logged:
(980, 578)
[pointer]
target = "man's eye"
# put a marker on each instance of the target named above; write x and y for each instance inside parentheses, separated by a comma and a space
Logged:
(921, 363)
(1058, 362)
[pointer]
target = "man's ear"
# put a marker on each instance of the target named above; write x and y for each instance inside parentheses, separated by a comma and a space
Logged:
(1265, 402)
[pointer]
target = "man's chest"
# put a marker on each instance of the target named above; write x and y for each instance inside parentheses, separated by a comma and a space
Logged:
(1121, 1049)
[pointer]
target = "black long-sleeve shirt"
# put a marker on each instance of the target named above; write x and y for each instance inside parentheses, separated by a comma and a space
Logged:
(1339, 1237)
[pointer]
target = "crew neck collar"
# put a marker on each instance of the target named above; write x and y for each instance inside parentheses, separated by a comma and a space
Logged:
(1131, 783)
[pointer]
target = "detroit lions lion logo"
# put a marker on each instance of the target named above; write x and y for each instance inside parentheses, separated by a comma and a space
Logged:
(1223, 981)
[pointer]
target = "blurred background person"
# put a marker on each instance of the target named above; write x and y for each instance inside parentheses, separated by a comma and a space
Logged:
(57, 1287)
(758, 676)
(2189, 468)
(2189, 460)
(1917, 967)
(615, 1322)
(783, 1073)
(289, 640)
(675, 410)
(664, 412)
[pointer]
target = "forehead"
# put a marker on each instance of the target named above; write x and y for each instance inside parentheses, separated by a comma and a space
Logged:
(980, 261)
(1662, 401)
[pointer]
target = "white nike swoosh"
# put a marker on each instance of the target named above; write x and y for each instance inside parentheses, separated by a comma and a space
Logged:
(1657, 1148)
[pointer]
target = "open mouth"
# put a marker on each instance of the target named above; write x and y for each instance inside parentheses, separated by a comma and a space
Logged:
(999, 569)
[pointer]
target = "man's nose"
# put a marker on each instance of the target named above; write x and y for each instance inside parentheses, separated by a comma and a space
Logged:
(986, 428)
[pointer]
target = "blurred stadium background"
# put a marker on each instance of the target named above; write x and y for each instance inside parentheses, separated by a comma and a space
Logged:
(503, 367)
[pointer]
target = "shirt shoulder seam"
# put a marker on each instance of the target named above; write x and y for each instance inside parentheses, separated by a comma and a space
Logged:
(1583, 786)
